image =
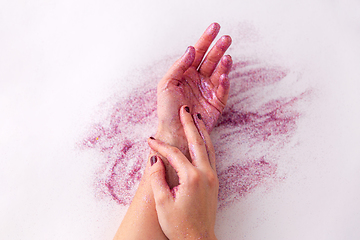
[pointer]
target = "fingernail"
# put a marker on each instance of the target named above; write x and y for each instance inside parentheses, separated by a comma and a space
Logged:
(199, 116)
(187, 109)
(152, 138)
(153, 160)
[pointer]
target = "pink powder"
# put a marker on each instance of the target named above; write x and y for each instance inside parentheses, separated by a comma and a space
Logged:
(252, 128)
(239, 179)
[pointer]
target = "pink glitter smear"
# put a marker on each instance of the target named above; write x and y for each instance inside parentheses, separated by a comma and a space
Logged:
(254, 125)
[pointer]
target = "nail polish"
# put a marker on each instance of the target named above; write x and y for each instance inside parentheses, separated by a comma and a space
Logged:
(199, 116)
(187, 109)
(152, 138)
(153, 160)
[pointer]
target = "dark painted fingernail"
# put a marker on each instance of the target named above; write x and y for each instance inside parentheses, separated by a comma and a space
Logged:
(153, 160)
(187, 109)
(152, 138)
(199, 116)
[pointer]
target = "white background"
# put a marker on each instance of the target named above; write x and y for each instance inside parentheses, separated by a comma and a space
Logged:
(60, 59)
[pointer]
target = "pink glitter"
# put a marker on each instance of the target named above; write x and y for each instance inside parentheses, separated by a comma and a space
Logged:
(237, 180)
(253, 126)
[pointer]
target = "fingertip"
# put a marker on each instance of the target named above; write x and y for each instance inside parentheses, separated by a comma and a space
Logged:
(153, 159)
(189, 56)
(184, 114)
(152, 143)
(198, 120)
(213, 29)
(224, 42)
(150, 139)
(215, 24)
(227, 61)
(158, 182)
(227, 38)
(187, 109)
(157, 166)
(200, 124)
(190, 51)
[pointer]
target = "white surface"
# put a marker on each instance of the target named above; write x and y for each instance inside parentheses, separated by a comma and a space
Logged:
(60, 59)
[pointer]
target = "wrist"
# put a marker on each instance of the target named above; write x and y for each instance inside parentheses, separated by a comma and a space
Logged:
(174, 137)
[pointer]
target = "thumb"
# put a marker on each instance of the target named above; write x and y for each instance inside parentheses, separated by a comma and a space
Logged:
(181, 65)
(159, 185)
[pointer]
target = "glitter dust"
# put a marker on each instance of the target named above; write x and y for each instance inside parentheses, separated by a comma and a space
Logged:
(256, 123)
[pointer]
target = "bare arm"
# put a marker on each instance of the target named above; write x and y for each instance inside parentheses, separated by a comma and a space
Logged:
(199, 82)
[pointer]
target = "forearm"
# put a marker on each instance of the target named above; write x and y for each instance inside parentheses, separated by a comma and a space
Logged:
(141, 221)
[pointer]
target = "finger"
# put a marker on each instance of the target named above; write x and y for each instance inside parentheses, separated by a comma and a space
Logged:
(161, 190)
(223, 67)
(212, 59)
(207, 140)
(177, 70)
(196, 143)
(203, 44)
(222, 92)
(175, 157)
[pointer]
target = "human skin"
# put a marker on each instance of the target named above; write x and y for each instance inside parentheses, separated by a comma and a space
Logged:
(187, 211)
(249, 121)
(203, 85)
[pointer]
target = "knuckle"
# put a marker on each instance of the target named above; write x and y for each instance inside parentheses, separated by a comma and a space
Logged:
(175, 82)
(156, 173)
(212, 179)
(201, 50)
(171, 151)
(198, 141)
(175, 150)
(194, 177)
(212, 60)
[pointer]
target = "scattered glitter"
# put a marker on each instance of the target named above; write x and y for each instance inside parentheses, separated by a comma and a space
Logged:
(253, 126)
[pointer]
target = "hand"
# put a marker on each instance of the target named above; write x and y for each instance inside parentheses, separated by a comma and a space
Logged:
(202, 84)
(196, 81)
(188, 210)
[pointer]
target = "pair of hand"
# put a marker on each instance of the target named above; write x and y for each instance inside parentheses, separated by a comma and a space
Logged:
(198, 81)
(191, 97)
(183, 150)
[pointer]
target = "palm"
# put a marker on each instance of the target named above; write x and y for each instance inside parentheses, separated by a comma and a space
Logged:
(195, 91)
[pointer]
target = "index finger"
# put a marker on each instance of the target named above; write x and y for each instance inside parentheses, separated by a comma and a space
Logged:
(175, 157)
(207, 140)
(200, 146)
(203, 44)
